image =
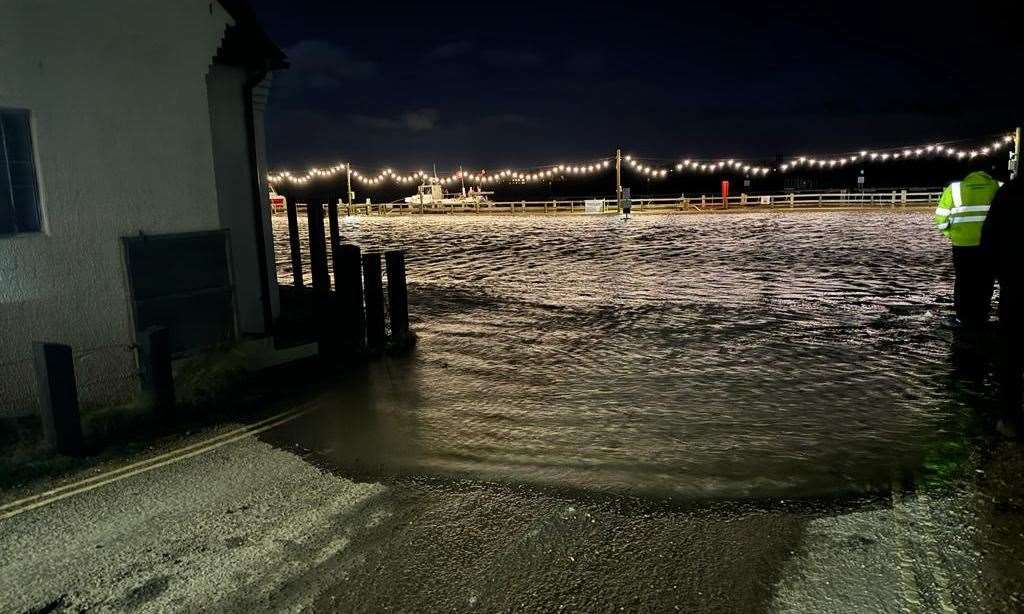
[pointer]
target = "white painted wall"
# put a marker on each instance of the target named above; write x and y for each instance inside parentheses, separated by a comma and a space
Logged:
(120, 116)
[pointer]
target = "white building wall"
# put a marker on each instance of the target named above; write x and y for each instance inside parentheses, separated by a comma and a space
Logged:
(118, 97)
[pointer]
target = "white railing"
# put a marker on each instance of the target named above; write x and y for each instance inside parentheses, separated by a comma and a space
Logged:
(684, 203)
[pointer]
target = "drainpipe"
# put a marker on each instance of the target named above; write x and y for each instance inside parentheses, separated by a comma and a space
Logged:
(257, 182)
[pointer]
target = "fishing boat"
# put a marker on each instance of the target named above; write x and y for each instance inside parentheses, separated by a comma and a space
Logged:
(432, 194)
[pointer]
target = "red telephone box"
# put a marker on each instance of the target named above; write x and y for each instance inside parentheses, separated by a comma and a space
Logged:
(725, 193)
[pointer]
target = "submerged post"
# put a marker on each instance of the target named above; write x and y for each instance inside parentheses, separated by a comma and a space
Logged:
(293, 242)
(58, 398)
(398, 298)
(374, 303)
(155, 374)
(348, 288)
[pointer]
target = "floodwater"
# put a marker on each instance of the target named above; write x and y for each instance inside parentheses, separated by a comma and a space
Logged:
(685, 356)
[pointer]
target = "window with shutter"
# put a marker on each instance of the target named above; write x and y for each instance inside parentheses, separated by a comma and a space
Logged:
(19, 191)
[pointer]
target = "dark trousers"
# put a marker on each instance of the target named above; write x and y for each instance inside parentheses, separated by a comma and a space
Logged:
(972, 289)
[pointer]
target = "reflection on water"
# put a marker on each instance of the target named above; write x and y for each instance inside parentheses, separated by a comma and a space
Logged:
(696, 355)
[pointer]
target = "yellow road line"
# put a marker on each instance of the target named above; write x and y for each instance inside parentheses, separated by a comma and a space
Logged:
(36, 501)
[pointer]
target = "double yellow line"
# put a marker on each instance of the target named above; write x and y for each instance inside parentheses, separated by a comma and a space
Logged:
(9, 510)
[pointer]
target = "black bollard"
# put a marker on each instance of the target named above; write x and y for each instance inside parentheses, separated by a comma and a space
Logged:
(398, 298)
(155, 374)
(293, 243)
(348, 288)
(58, 398)
(374, 303)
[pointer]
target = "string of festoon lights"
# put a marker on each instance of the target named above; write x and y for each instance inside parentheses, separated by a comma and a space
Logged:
(652, 170)
(475, 177)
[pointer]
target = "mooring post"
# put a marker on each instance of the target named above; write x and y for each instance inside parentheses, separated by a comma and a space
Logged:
(335, 230)
(156, 377)
(318, 249)
(374, 303)
(293, 243)
(332, 219)
(321, 279)
(398, 297)
(335, 325)
(348, 287)
(58, 398)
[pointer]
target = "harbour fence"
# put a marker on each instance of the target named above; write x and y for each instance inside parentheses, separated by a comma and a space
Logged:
(917, 198)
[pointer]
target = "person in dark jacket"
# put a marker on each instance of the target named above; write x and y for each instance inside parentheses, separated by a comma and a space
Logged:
(1004, 248)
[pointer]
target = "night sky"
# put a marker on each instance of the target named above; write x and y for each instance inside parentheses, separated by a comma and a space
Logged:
(501, 84)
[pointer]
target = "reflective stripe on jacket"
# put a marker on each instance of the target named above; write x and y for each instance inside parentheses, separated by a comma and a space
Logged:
(963, 206)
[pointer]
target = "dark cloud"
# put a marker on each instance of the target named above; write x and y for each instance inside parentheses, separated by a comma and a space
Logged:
(323, 65)
(418, 120)
(586, 62)
(449, 51)
(512, 58)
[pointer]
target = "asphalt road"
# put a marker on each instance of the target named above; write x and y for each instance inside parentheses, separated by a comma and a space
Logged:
(249, 526)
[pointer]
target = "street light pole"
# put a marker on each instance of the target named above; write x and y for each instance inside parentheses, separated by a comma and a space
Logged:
(618, 178)
(348, 181)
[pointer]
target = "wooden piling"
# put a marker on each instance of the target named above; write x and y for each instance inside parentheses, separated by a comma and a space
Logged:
(335, 230)
(156, 377)
(58, 398)
(374, 303)
(348, 289)
(398, 298)
(318, 249)
(321, 281)
(293, 243)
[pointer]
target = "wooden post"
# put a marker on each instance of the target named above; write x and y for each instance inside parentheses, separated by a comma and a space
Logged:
(321, 281)
(348, 287)
(374, 303)
(332, 219)
(317, 249)
(58, 398)
(155, 375)
(398, 297)
(293, 243)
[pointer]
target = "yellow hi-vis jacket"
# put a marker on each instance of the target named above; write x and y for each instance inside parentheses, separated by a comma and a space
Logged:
(963, 206)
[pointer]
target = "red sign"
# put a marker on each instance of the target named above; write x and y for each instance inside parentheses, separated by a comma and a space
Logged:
(725, 192)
